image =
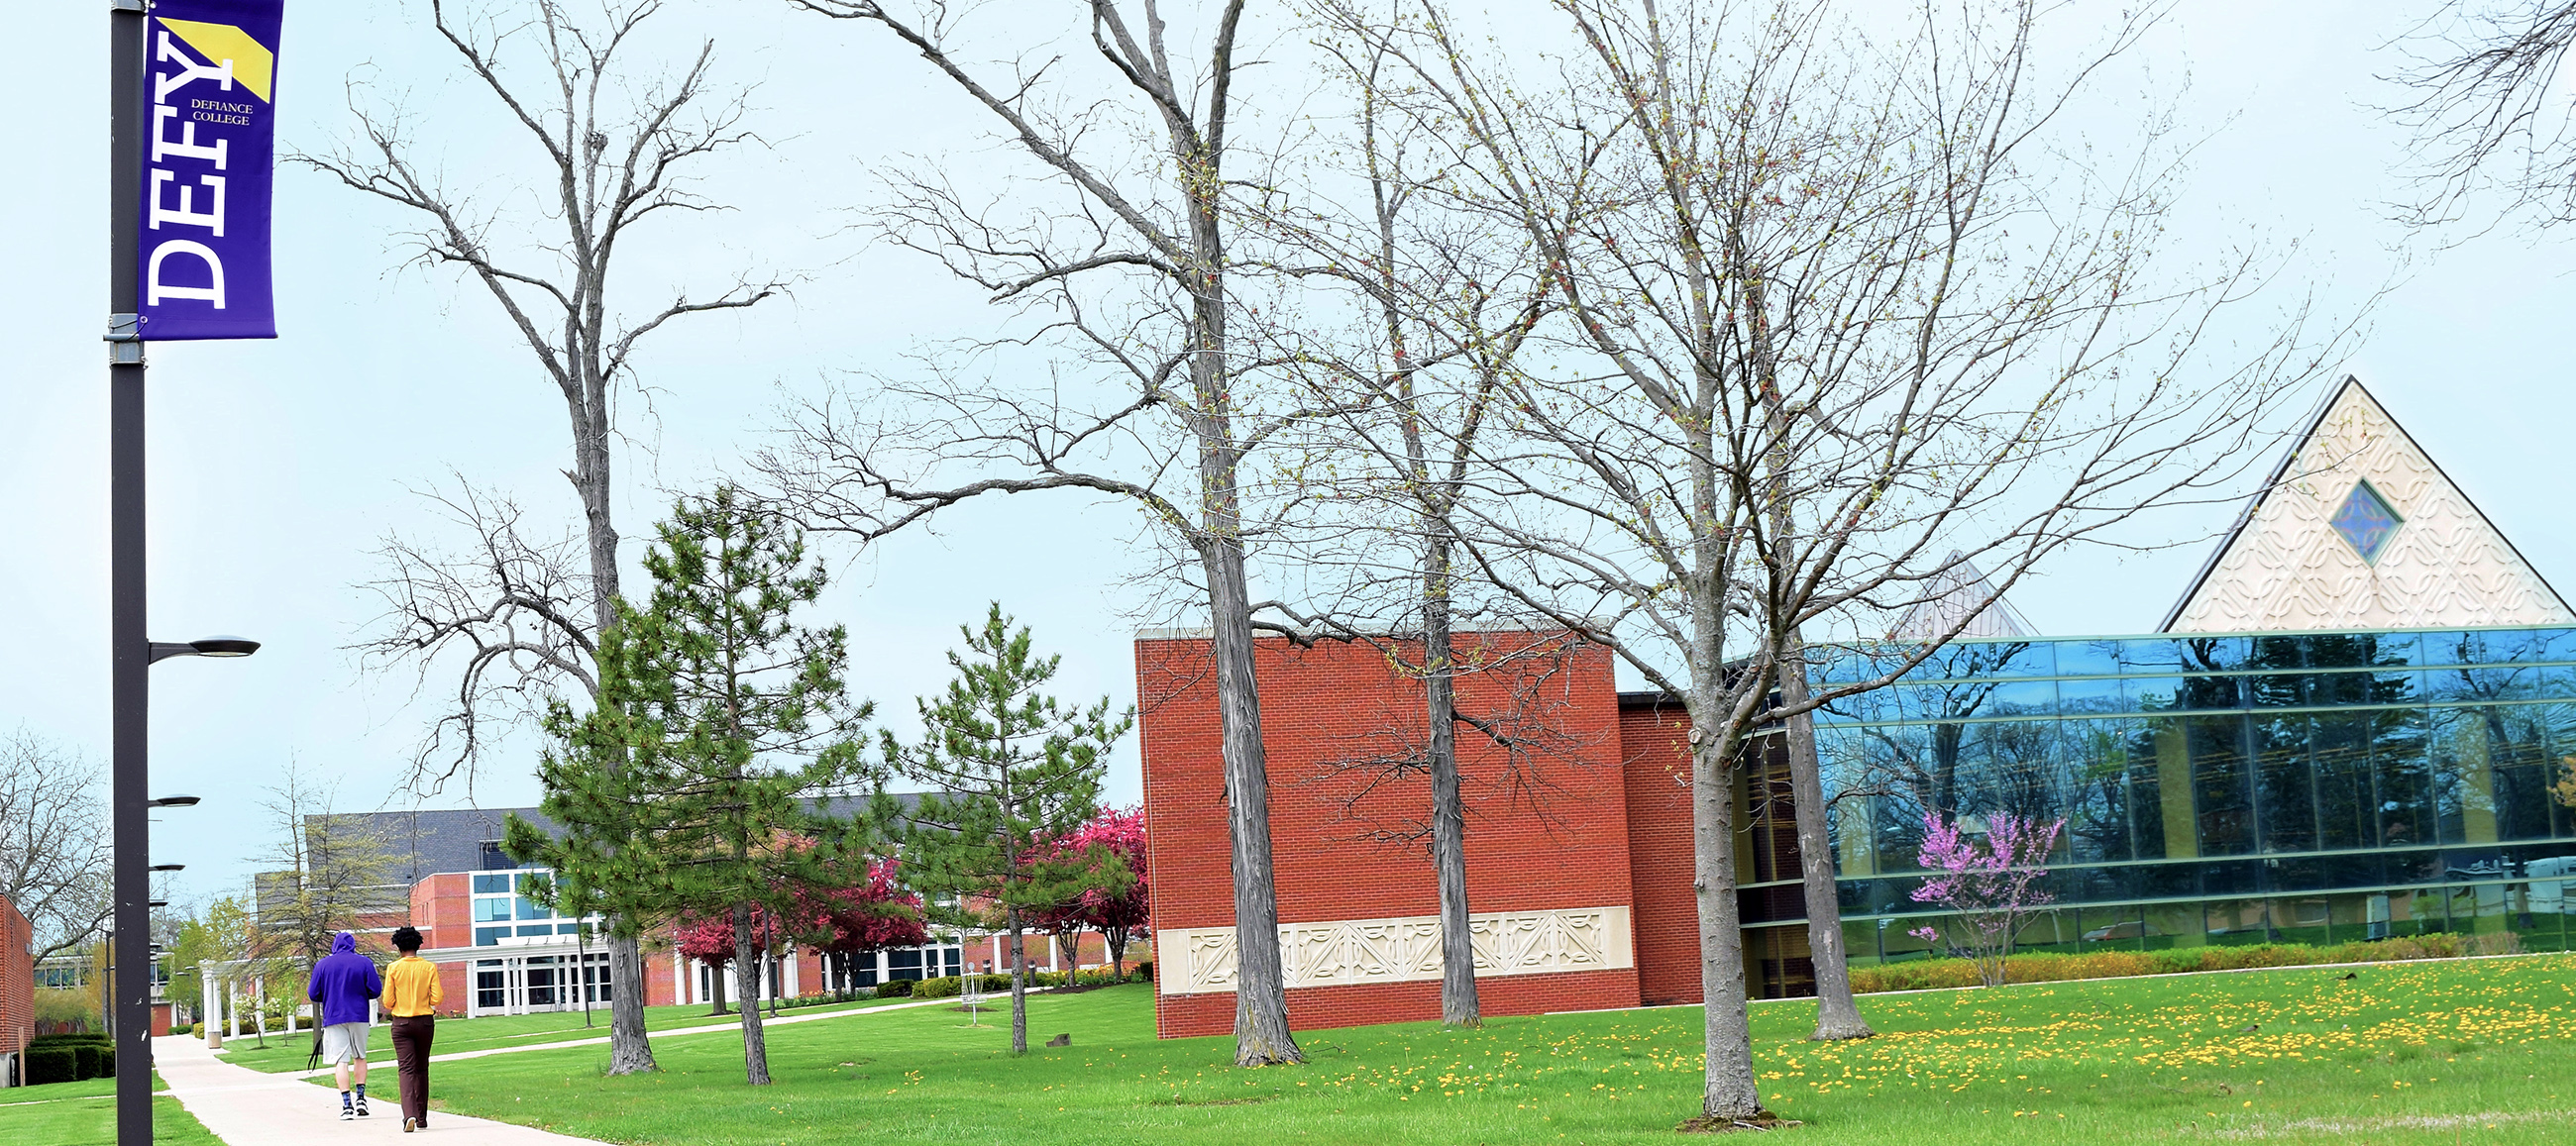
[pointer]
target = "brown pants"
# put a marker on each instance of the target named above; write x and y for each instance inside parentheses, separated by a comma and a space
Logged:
(412, 1034)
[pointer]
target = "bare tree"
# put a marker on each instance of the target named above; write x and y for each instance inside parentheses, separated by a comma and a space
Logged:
(54, 846)
(2490, 112)
(1411, 380)
(1832, 305)
(615, 148)
(327, 873)
(1128, 268)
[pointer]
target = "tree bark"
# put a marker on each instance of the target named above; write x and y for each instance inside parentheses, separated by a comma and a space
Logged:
(1019, 984)
(746, 970)
(1261, 1035)
(1458, 1005)
(1837, 1014)
(1732, 1093)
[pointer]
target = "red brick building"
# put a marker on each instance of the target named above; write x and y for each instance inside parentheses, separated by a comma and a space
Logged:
(1578, 834)
(17, 992)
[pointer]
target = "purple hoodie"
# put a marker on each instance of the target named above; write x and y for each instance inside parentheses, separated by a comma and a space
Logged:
(343, 982)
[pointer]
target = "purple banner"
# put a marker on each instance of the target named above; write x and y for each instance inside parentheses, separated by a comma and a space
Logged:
(210, 85)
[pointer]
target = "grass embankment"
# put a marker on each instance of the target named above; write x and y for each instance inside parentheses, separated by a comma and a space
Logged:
(2437, 1052)
(2054, 967)
(289, 1052)
(84, 1114)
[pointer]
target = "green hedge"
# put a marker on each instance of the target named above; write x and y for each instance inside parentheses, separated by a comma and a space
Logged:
(894, 989)
(2049, 967)
(85, 1061)
(50, 1064)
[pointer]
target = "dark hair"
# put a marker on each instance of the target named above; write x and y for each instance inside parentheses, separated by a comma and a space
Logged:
(407, 938)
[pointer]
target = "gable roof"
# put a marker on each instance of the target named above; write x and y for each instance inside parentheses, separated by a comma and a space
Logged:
(2284, 565)
(1950, 595)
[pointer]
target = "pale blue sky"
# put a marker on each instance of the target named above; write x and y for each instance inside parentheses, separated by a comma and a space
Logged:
(278, 464)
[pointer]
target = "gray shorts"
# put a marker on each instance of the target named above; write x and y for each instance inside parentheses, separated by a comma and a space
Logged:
(344, 1041)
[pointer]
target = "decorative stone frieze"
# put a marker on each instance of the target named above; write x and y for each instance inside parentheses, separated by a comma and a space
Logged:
(1201, 960)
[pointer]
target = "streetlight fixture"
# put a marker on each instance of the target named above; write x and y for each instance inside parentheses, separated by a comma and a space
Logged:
(130, 942)
(223, 647)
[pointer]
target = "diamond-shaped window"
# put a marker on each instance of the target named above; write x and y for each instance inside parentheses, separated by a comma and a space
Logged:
(2366, 521)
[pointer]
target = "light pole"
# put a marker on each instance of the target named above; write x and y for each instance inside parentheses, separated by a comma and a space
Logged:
(130, 947)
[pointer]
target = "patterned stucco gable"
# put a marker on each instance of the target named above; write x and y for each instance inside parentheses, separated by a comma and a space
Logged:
(2289, 565)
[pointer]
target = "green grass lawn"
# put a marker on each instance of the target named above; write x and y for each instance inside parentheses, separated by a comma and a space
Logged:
(290, 1052)
(84, 1114)
(2433, 1052)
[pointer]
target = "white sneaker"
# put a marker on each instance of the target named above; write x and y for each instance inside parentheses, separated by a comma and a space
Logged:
(347, 1114)
(362, 1106)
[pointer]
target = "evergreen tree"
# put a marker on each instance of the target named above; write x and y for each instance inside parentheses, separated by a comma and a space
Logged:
(1005, 769)
(694, 783)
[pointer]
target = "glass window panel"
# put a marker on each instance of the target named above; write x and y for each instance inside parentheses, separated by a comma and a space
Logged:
(1972, 659)
(491, 883)
(567, 929)
(2087, 658)
(2173, 925)
(2215, 692)
(2276, 690)
(2152, 694)
(487, 910)
(526, 930)
(2339, 754)
(531, 909)
(2118, 928)
(2086, 697)
(2285, 785)
(487, 936)
(2403, 774)
(2390, 686)
(2013, 767)
(2233, 922)
(2221, 788)
(2098, 825)
(2183, 654)
(2303, 919)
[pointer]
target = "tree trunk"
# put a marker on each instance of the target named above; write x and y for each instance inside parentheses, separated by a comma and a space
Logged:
(746, 970)
(1116, 939)
(1458, 1006)
(1837, 1015)
(1732, 1094)
(1261, 1035)
(1019, 984)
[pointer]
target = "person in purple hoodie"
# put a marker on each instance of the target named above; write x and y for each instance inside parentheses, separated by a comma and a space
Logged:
(343, 983)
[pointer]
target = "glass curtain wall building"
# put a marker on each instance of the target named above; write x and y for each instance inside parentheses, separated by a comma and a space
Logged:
(2299, 787)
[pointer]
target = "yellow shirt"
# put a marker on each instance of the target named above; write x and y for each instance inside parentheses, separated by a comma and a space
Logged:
(411, 987)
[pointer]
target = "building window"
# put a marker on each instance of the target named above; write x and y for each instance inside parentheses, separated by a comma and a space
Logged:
(496, 901)
(2366, 521)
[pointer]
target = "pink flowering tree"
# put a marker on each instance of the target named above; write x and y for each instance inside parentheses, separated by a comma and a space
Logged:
(1990, 883)
(1110, 849)
(865, 918)
(709, 939)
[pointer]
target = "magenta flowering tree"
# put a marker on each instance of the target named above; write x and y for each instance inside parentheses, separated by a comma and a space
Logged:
(1990, 883)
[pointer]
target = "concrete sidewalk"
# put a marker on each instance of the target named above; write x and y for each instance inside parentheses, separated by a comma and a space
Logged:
(734, 1027)
(245, 1107)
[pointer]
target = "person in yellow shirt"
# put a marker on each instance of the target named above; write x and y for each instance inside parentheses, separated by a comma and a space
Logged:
(412, 995)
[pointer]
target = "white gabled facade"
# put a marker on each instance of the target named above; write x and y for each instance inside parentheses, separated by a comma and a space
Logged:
(2288, 565)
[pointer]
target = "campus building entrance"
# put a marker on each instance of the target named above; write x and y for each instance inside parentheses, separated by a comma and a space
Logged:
(532, 984)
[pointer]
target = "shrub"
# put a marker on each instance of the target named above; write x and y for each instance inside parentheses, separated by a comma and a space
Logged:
(943, 987)
(183, 1028)
(894, 989)
(50, 1064)
(106, 1062)
(85, 1061)
(2053, 967)
(1145, 970)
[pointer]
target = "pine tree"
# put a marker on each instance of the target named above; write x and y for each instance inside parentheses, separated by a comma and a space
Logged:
(1005, 770)
(694, 783)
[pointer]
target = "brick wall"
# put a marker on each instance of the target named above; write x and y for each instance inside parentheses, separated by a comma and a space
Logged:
(17, 980)
(1546, 828)
(1659, 851)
